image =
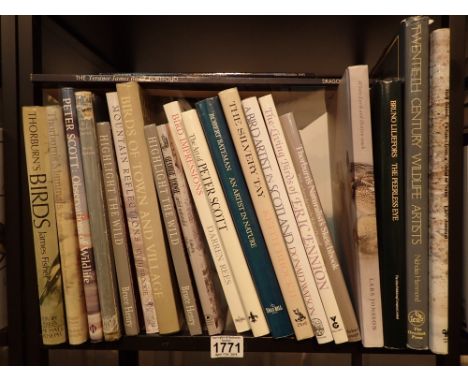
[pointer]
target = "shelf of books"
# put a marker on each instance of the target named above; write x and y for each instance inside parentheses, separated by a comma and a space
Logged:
(304, 214)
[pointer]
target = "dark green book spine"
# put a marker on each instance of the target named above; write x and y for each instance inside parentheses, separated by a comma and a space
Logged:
(387, 134)
(415, 66)
(227, 164)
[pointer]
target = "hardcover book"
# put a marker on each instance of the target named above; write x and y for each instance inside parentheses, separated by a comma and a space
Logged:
(248, 228)
(41, 196)
(105, 270)
(133, 220)
(354, 200)
(75, 308)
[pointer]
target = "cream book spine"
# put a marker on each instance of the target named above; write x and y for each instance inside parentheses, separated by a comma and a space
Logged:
(190, 164)
(263, 205)
(287, 220)
(325, 242)
(133, 111)
(309, 233)
(133, 220)
(75, 308)
(205, 276)
(225, 223)
(44, 227)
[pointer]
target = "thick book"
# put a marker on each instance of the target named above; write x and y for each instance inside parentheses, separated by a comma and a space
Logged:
(354, 200)
(225, 224)
(191, 162)
(322, 259)
(173, 233)
(75, 308)
(439, 122)
(44, 228)
(206, 279)
(242, 210)
(414, 64)
(388, 143)
(3, 257)
(118, 229)
(88, 266)
(135, 116)
(263, 204)
(105, 270)
(133, 219)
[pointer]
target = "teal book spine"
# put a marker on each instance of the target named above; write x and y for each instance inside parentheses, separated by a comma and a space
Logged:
(243, 213)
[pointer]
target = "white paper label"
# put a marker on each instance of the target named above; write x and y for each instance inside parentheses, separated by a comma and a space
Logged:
(227, 346)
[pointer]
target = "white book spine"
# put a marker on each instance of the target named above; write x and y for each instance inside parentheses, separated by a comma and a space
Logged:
(287, 222)
(439, 93)
(303, 217)
(225, 224)
(133, 221)
(218, 252)
(198, 251)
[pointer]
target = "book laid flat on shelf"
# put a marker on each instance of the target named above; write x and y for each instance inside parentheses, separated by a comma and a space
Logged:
(135, 116)
(387, 135)
(253, 174)
(133, 220)
(190, 162)
(248, 228)
(173, 233)
(354, 200)
(44, 228)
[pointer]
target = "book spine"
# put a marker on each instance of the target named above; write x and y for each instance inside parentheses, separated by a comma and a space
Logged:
(439, 189)
(132, 108)
(202, 267)
(269, 224)
(387, 134)
(117, 229)
(3, 256)
(222, 215)
(465, 231)
(133, 220)
(49, 277)
(88, 266)
(278, 181)
(190, 163)
(173, 232)
(248, 228)
(75, 308)
(105, 270)
(306, 218)
(416, 56)
(287, 221)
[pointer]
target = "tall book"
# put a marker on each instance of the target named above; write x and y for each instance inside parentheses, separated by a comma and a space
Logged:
(388, 138)
(75, 308)
(105, 269)
(133, 220)
(135, 116)
(118, 229)
(3, 257)
(439, 121)
(354, 200)
(263, 204)
(237, 195)
(173, 232)
(88, 266)
(323, 260)
(191, 163)
(225, 224)
(286, 218)
(207, 282)
(44, 228)
(414, 62)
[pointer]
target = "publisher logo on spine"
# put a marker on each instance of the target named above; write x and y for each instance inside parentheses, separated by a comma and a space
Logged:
(416, 318)
(318, 327)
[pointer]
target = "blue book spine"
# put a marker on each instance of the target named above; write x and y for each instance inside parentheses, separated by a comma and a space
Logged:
(243, 213)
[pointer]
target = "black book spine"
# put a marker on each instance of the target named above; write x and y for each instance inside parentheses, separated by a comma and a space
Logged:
(387, 124)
